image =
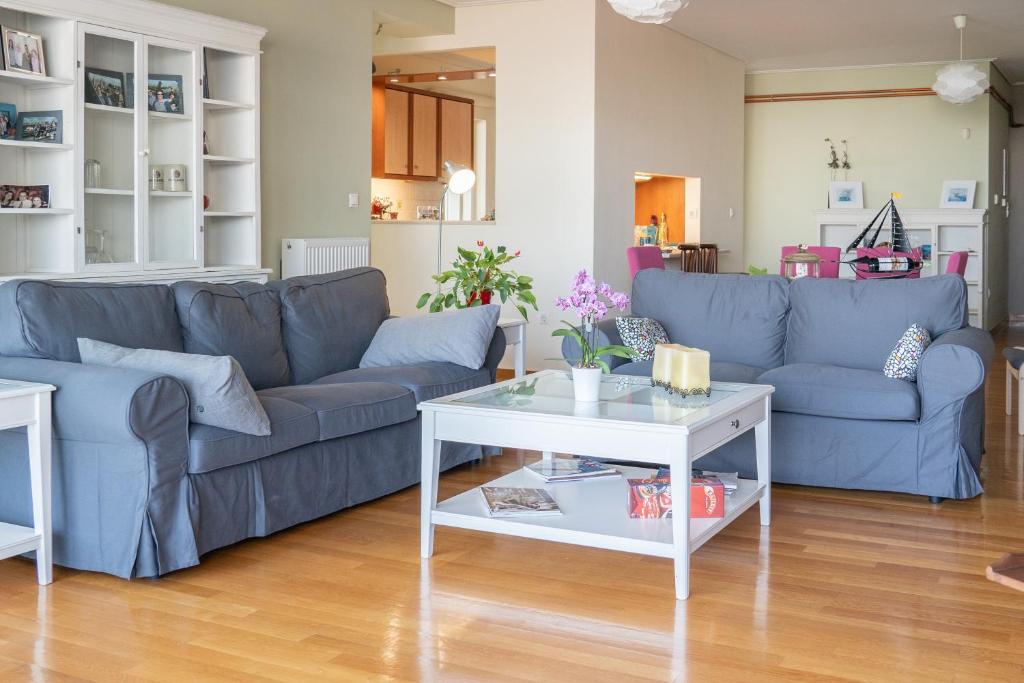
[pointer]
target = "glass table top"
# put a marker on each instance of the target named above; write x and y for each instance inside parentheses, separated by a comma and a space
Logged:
(623, 397)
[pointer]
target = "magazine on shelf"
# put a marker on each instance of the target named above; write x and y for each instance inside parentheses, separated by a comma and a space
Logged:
(505, 501)
(571, 469)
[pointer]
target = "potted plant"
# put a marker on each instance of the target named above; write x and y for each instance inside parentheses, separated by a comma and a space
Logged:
(475, 276)
(590, 301)
(379, 206)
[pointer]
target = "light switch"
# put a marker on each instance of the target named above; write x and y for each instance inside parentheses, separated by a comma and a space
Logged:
(353, 200)
(732, 213)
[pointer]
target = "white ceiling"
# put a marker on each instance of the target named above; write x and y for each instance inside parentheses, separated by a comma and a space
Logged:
(803, 34)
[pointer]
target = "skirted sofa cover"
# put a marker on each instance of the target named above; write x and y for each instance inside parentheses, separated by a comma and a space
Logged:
(837, 420)
(137, 489)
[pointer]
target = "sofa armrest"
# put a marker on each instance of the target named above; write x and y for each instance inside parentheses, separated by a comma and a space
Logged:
(105, 405)
(607, 333)
(953, 367)
(495, 352)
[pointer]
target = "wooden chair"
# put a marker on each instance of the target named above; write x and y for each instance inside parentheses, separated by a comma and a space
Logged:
(708, 258)
(690, 256)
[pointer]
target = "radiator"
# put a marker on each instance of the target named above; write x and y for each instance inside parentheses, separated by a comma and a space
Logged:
(315, 256)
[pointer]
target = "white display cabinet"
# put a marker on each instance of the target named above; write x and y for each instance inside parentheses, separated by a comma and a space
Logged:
(121, 226)
(944, 230)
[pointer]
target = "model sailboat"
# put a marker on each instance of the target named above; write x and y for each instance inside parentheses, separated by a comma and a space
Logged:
(894, 260)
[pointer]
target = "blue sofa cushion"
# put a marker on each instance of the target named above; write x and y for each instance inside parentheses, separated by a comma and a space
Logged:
(344, 409)
(425, 380)
(291, 425)
(856, 324)
(720, 372)
(44, 319)
(241, 320)
(737, 318)
(329, 320)
(833, 391)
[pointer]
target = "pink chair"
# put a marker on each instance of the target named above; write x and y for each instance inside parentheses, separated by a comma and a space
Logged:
(829, 265)
(644, 257)
(885, 252)
(957, 263)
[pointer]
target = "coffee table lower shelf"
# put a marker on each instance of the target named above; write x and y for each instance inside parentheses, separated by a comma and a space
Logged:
(594, 513)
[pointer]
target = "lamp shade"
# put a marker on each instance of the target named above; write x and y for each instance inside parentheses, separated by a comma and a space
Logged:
(648, 11)
(960, 82)
(460, 179)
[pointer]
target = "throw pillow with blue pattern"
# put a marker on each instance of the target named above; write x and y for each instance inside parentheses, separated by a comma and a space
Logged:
(641, 335)
(904, 359)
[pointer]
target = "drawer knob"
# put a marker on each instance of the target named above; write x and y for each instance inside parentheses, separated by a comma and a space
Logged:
(735, 424)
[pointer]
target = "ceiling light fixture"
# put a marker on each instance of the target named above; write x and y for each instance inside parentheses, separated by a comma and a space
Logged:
(648, 11)
(960, 82)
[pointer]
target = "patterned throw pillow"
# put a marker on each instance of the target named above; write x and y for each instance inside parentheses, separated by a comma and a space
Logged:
(904, 359)
(641, 335)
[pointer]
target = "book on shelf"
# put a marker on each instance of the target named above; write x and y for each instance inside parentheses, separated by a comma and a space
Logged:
(503, 501)
(571, 469)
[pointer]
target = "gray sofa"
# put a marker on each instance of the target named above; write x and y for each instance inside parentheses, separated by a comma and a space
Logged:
(837, 420)
(137, 489)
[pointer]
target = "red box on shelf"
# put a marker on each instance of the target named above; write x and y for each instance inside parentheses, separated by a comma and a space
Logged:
(651, 498)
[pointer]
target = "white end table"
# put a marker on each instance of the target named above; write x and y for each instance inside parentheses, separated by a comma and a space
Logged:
(515, 336)
(24, 404)
(633, 421)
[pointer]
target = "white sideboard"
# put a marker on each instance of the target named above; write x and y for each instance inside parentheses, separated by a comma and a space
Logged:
(945, 230)
(119, 226)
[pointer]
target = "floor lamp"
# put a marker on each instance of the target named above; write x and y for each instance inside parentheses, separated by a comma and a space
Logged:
(458, 179)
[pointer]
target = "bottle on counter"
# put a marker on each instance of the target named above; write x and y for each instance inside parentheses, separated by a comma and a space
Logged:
(662, 230)
(886, 264)
(649, 237)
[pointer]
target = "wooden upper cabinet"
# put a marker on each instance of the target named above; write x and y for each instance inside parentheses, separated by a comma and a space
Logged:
(424, 135)
(457, 132)
(396, 132)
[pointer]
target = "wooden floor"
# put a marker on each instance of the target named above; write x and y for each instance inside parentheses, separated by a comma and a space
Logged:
(846, 585)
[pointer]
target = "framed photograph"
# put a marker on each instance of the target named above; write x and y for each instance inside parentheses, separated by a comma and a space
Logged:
(846, 194)
(104, 87)
(164, 94)
(23, 51)
(41, 126)
(8, 119)
(24, 196)
(958, 194)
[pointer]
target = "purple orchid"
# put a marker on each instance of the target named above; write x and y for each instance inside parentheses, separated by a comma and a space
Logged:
(591, 302)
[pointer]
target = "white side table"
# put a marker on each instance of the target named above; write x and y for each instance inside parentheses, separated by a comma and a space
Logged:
(23, 404)
(515, 336)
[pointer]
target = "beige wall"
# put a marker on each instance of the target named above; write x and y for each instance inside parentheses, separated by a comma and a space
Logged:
(544, 171)
(665, 104)
(905, 144)
(315, 109)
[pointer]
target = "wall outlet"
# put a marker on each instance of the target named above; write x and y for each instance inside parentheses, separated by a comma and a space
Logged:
(543, 319)
(353, 200)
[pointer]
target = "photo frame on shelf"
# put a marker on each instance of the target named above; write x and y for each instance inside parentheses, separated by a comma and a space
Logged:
(129, 90)
(8, 120)
(105, 88)
(41, 126)
(24, 197)
(846, 194)
(23, 51)
(958, 194)
(165, 94)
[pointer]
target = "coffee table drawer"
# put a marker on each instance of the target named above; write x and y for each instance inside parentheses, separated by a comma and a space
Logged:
(721, 430)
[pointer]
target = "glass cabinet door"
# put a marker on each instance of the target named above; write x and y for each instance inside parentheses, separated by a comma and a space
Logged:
(109, 222)
(171, 149)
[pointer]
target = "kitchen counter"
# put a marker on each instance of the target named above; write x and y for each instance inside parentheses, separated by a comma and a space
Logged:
(432, 222)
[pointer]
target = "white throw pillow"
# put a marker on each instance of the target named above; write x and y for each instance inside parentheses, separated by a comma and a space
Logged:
(218, 392)
(904, 359)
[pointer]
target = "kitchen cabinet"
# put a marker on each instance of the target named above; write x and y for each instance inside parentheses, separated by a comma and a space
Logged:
(415, 131)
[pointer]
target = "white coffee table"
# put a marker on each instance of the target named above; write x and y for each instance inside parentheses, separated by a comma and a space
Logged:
(633, 421)
(25, 404)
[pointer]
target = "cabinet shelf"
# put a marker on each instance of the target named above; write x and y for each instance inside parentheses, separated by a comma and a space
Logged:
(214, 105)
(109, 191)
(33, 81)
(158, 116)
(41, 146)
(38, 212)
(218, 159)
(165, 193)
(229, 214)
(112, 111)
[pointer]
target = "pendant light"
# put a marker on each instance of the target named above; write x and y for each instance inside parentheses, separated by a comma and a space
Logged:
(960, 82)
(648, 11)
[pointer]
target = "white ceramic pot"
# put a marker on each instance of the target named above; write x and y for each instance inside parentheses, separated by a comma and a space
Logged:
(586, 384)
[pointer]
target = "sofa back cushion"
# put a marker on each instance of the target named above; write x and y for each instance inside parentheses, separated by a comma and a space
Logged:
(856, 324)
(44, 319)
(329, 320)
(737, 318)
(241, 320)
